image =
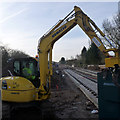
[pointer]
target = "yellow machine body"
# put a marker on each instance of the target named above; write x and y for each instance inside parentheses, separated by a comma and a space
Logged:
(110, 62)
(18, 89)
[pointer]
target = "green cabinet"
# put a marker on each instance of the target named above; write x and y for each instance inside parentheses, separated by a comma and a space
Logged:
(108, 97)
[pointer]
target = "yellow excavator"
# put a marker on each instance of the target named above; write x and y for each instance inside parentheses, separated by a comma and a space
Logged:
(17, 87)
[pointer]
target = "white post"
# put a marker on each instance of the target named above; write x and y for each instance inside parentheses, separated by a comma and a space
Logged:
(119, 7)
(0, 89)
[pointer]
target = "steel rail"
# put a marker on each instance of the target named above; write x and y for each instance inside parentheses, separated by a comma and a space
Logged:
(88, 87)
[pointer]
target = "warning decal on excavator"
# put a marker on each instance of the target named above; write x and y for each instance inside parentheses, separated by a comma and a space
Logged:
(97, 43)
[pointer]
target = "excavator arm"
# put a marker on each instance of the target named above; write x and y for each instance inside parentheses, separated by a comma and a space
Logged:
(46, 42)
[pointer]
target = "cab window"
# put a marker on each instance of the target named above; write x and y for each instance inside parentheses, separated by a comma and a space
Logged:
(17, 67)
(29, 69)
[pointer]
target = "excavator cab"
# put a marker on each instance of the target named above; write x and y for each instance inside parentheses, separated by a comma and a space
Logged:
(19, 84)
(24, 67)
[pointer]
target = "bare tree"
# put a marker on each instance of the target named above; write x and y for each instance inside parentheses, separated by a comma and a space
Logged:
(7, 53)
(112, 29)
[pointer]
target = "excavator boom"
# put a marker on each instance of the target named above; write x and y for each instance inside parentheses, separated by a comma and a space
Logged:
(46, 42)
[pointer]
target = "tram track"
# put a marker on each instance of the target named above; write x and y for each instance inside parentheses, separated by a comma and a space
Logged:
(86, 83)
(87, 74)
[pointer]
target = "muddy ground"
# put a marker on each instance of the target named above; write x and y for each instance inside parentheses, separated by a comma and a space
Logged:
(66, 102)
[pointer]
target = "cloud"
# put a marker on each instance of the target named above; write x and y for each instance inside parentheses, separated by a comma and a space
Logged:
(13, 15)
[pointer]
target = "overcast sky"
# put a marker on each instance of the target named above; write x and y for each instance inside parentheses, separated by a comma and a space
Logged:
(22, 24)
